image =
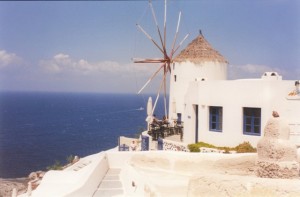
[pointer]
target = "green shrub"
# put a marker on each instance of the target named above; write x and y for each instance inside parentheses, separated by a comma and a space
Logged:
(203, 144)
(225, 148)
(56, 166)
(70, 159)
(194, 148)
(245, 147)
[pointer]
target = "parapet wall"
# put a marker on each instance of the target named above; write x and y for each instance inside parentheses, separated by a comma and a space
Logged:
(80, 179)
(169, 145)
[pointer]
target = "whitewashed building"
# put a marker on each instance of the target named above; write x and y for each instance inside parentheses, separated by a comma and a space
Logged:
(226, 112)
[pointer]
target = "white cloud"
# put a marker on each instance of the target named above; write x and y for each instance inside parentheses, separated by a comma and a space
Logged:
(63, 63)
(105, 75)
(251, 71)
(7, 59)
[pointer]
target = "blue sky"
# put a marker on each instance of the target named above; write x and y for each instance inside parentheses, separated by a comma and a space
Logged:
(87, 46)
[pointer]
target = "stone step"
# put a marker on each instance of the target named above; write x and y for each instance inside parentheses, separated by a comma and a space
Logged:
(110, 184)
(108, 192)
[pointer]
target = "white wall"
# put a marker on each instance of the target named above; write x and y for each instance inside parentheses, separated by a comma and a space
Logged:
(69, 182)
(233, 96)
(187, 72)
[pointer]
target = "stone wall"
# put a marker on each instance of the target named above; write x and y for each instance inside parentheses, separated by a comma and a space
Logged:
(169, 145)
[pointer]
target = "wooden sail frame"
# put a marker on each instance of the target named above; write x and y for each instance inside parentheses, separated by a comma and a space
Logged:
(161, 46)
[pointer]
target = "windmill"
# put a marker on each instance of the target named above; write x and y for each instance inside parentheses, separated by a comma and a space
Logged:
(167, 57)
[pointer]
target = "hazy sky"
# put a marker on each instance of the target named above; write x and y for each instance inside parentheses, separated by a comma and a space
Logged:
(87, 46)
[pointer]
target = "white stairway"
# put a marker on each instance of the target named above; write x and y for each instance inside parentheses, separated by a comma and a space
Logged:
(110, 185)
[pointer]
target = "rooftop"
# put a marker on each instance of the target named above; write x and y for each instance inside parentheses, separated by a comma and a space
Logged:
(199, 51)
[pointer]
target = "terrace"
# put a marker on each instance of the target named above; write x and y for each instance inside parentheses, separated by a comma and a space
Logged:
(161, 129)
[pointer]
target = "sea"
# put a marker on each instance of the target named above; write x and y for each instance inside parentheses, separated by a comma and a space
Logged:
(38, 129)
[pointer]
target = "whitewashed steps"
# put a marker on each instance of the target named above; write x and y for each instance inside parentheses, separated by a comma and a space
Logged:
(110, 185)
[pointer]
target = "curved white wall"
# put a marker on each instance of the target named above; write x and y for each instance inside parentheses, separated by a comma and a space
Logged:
(186, 72)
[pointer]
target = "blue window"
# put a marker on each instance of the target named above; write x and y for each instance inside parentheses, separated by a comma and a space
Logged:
(252, 120)
(215, 118)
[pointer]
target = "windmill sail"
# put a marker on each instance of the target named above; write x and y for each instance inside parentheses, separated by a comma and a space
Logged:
(167, 57)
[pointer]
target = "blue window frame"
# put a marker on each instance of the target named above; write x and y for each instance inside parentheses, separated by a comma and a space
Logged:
(252, 121)
(215, 118)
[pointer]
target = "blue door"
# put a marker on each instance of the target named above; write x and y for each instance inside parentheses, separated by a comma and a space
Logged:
(196, 123)
(160, 144)
(145, 143)
(179, 118)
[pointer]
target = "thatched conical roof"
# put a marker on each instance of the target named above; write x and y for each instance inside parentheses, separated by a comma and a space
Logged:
(199, 51)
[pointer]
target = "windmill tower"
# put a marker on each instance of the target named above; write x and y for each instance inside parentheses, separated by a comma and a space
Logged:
(198, 61)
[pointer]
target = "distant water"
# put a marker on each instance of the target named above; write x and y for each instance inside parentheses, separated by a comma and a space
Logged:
(36, 129)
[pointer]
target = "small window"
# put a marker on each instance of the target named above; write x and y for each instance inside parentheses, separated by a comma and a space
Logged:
(215, 118)
(175, 78)
(173, 66)
(252, 121)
